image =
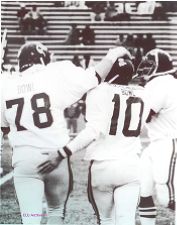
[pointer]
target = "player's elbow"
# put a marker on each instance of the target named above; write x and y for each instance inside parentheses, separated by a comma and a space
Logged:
(94, 131)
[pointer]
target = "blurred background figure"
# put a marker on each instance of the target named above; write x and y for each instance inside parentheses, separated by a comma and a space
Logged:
(75, 4)
(120, 41)
(38, 23)
(138, 54)
(139, 41)
(146, 7)
(73, 36)
(159, 12)
(21, 15)
(130, 43)
(87, 61)
(111, 13)
(97, 10)
(88, 36)
(76, 60)
(72, 114)
(149, 43)
(71, 4)
(59, 3)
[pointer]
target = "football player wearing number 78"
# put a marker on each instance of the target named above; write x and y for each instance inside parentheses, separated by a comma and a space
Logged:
(32, 105)
(115, 113)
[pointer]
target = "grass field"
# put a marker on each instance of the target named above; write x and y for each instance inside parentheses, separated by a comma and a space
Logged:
(79, 211)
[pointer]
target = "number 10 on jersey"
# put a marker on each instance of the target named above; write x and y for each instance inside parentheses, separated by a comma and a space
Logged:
(130, 102)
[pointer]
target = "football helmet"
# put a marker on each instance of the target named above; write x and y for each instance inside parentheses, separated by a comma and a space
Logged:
(121, 72)
(156, 62)
(32, 53)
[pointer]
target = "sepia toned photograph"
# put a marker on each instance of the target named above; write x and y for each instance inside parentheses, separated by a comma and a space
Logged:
(88, 112)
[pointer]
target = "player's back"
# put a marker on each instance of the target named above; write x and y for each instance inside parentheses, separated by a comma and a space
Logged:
(118, 112)
(163, 91)
(33, 104)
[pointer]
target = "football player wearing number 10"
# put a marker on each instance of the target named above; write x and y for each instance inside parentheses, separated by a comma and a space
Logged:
(32, 105)
(115, 113)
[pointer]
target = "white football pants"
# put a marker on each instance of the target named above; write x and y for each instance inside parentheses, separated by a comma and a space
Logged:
(31, 187)
(113, 190)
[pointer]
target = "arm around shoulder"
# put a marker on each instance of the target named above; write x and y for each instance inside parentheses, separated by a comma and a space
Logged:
(105, 65)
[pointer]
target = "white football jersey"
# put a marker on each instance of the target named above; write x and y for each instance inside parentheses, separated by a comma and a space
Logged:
(118, 112)
(32, 104)
(162, 92)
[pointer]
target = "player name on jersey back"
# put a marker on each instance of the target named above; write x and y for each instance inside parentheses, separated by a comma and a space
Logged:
(118, 111)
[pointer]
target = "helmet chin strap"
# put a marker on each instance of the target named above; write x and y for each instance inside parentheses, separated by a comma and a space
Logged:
(135, 76)
(110, 81)
(42, 61)
(26, 66)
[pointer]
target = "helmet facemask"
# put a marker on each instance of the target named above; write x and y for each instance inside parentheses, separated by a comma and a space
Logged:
(121, 72)
(32, 53)
(155, 63)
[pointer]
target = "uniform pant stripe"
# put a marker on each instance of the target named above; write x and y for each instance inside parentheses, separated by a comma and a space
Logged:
(147, 210)
(90, 194)
(170, 182)
(16, 198)
(149, 216)
(70, 187)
